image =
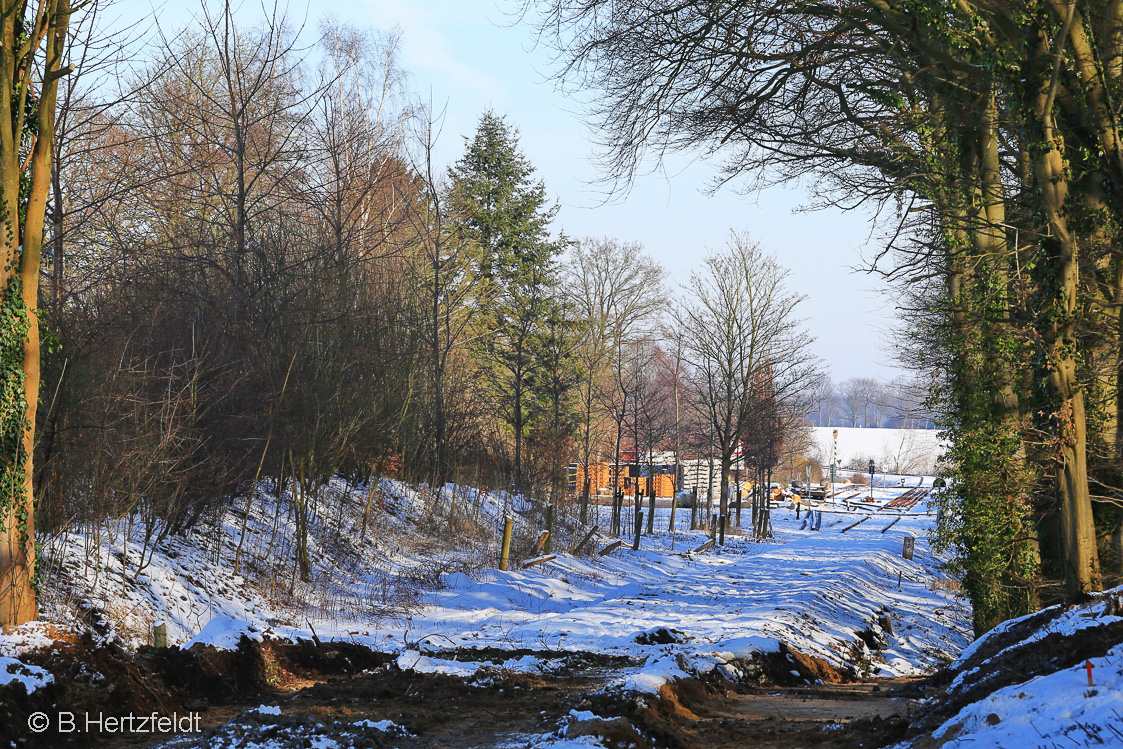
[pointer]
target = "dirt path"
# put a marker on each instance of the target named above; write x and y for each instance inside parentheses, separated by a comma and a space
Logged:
(333, 695)
(867, 713)
(505, 709)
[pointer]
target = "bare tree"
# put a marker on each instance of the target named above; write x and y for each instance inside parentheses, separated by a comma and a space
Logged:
(824, 396)
(24, 156)
(908, 453)
(860, 396)
(652, 416)
(358, 126)
(740, 330)
(674, 370)
(616, 290)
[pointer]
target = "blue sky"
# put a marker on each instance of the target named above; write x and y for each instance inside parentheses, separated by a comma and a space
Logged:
(470, 55)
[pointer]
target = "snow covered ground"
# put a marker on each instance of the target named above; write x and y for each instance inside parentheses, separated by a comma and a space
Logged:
(1058, 708)
(816, 591)
(1026, 682)
(421, 583)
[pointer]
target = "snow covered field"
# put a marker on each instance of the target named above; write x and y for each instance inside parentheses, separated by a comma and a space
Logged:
(893, 450)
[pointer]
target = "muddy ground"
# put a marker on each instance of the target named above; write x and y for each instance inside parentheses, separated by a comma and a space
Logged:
(516, 710)
(327, 690)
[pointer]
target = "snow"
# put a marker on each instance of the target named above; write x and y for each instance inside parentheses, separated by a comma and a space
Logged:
(414, 661)
(656, 672)
(1064, 623)
(224, 633)
(386, 726)
(15, 641)
(32, 677)
(892, 450)
(1003, 627)
(814, 591)
(1059, 707)
(667, 611)
(553, 741)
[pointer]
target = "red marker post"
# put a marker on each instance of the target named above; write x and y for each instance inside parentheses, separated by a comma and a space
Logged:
(1088, 667)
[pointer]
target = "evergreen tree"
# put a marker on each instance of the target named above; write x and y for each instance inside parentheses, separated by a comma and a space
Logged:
(555, 380)
(499, 210)
(498, 207)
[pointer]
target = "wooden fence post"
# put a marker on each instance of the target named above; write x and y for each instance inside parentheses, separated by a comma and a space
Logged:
(639, 529)
(159, 634)
(505, 555)
(910, 545)
(538, 560)
(549, 548)
(540, 542)
(611, 547)
(588, 537)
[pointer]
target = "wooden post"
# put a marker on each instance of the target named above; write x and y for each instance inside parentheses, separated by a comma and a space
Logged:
(540, 542)
(910, 545)
(892, 524)
(159, 634)
(610, 548)
(588, 537)
(721, 520)
(549, 547)
(886, 623)
(505, 555)
(639, 529)
(538, 560)
(713, 526)
(867, 517)
(651, 505)
(638, 517)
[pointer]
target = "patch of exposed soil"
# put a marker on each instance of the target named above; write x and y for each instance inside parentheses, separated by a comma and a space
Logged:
(104, 680)
(339, 691)
(692, 714)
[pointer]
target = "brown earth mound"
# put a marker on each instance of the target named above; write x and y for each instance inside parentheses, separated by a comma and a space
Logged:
(92, 677)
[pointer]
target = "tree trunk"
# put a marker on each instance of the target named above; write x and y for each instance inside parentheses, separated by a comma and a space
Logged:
(17, 539)
(1078, 538)
(726, 467)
